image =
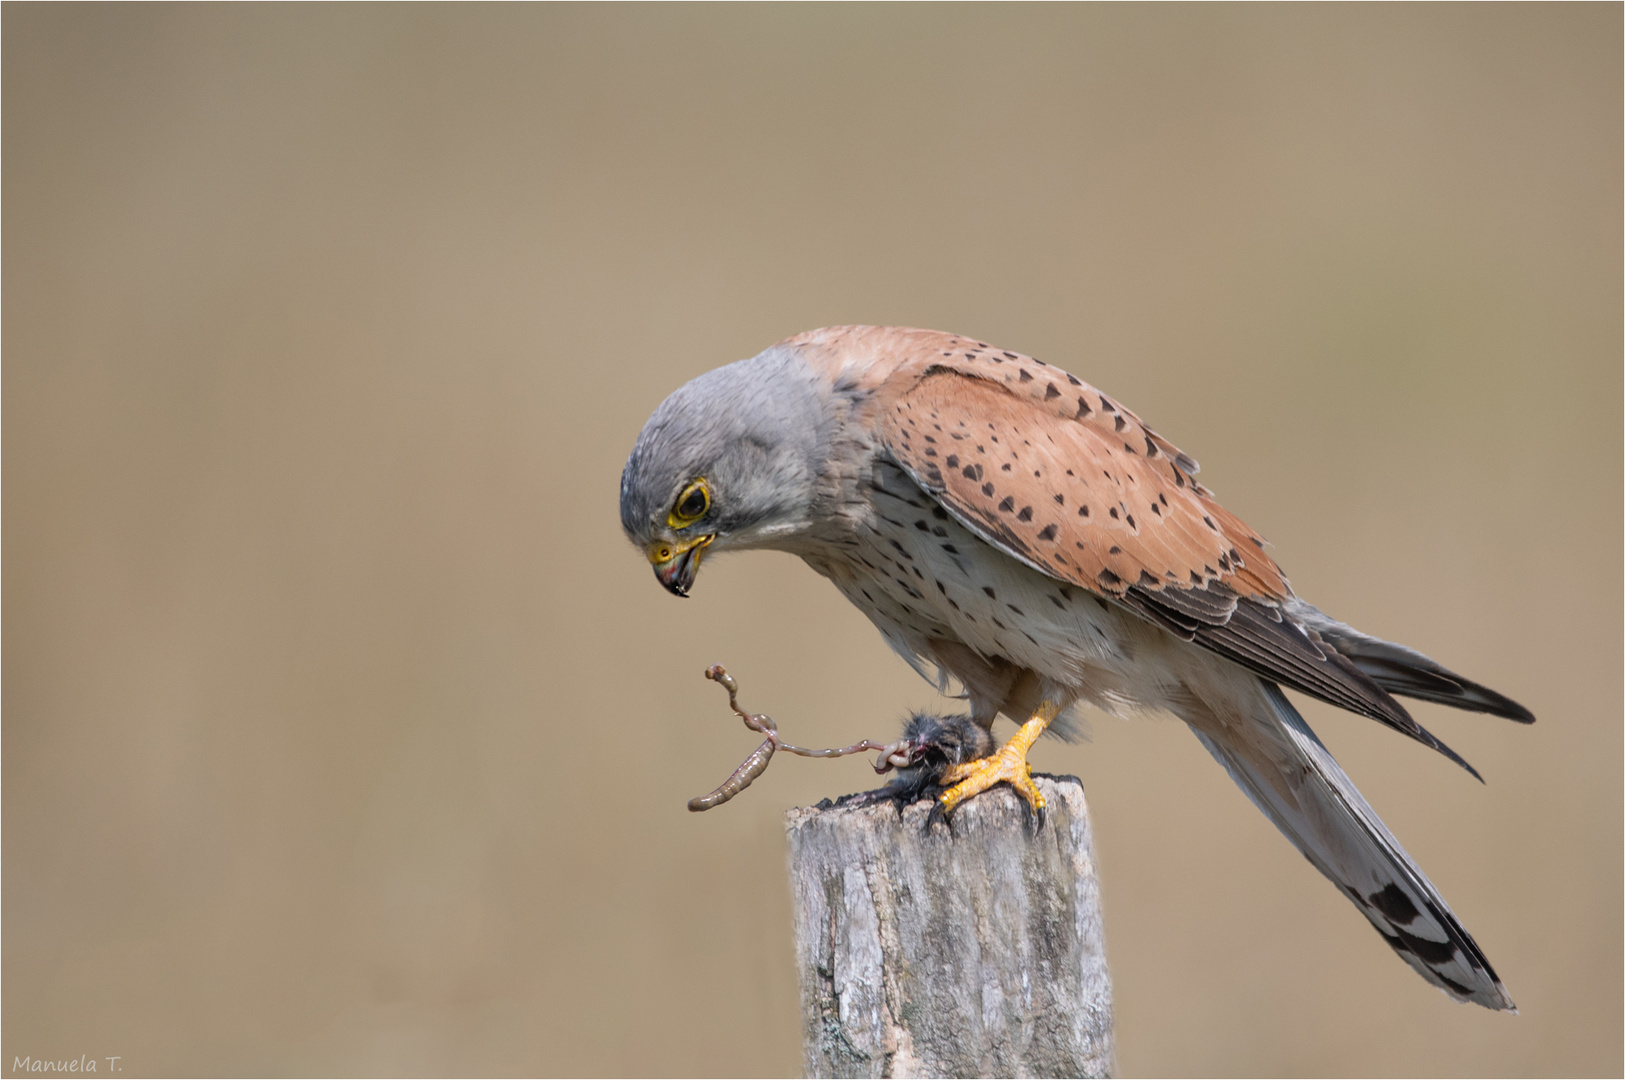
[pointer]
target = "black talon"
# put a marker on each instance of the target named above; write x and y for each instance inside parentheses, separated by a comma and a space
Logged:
(937, 816)
(1031, 818)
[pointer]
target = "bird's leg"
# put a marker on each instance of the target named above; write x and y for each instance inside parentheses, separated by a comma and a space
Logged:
(1008, 766)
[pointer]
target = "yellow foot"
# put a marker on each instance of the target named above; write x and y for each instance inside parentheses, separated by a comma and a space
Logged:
(1008, 766)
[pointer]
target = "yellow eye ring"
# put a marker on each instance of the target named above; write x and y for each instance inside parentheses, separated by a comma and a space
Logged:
(693, 504)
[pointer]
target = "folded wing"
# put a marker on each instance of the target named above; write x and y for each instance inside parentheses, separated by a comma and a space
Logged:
(1052, 472)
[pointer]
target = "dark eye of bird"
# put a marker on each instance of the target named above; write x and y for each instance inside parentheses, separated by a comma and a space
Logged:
(693, 504)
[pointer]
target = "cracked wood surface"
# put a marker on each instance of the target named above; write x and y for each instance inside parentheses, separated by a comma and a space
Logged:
(979, 953)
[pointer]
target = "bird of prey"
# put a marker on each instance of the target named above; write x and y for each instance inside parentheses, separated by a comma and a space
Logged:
(1005, 524)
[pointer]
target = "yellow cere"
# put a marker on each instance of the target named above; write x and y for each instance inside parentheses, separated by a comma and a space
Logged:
(666, 552)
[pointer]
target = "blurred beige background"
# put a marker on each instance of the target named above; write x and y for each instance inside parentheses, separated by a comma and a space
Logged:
(345, 733)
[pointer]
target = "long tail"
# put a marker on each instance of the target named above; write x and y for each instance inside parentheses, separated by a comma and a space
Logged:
(1290, 775)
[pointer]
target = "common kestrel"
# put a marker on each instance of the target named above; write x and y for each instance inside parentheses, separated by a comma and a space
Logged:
(1005, 524)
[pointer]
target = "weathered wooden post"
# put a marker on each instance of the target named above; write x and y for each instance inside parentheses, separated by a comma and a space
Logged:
(972, 952)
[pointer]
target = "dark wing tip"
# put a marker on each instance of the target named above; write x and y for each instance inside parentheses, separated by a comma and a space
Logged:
(1427, 738)
(1254, 634)
(1482, 699)
(1415, 676)
(1401, 670)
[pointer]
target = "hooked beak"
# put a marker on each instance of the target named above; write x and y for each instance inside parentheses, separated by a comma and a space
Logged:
(676, 564)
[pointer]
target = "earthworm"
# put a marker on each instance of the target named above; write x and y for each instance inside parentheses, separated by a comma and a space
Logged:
(756, 764)
(749, 769)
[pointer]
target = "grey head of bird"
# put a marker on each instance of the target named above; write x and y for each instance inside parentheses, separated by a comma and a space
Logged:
(730, 460)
